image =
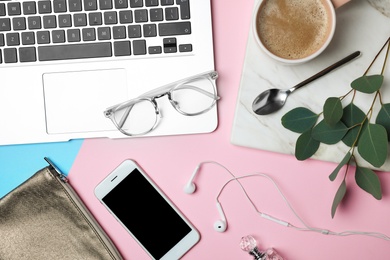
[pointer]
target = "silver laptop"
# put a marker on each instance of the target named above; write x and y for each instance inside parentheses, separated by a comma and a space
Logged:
(63, 62)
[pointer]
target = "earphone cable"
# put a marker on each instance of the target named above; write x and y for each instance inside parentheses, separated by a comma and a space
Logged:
(282, 222)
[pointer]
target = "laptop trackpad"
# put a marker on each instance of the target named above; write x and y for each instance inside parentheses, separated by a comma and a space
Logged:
(75, 101)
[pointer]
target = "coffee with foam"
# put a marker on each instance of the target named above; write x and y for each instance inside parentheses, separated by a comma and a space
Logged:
(293, 29)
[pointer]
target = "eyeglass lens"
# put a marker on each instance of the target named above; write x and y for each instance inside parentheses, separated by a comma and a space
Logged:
(194, 97)
(136, 119)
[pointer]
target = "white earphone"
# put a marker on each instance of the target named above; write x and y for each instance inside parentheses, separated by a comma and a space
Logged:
(221, 225)
(190, 187)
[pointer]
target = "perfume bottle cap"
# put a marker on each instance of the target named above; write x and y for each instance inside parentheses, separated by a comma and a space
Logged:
(248, 243)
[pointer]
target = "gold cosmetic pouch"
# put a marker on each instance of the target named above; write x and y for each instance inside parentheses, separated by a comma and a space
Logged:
(44, 218)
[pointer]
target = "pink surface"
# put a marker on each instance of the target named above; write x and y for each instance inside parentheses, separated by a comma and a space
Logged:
(170, 161)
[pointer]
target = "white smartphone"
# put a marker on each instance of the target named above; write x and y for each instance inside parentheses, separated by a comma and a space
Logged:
(146, 213)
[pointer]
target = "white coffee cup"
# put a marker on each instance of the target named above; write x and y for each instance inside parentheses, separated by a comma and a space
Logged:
(293, 31)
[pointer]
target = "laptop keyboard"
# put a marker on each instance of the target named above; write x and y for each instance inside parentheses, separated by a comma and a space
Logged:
(42, 30)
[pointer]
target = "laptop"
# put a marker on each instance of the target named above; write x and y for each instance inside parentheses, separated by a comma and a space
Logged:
(63, 62)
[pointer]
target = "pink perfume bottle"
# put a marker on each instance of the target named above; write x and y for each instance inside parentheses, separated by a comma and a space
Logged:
(249, 244)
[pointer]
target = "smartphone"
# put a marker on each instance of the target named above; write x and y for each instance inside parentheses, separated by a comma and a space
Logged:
(146, 213)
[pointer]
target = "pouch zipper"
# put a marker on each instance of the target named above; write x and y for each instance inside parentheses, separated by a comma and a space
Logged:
(75, 199)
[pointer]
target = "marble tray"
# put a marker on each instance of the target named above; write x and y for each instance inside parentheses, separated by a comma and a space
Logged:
(360, 27)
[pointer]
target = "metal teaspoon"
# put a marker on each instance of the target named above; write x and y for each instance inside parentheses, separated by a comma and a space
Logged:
(273, 99)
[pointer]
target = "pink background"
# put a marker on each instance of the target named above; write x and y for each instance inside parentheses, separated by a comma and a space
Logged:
(170, 161)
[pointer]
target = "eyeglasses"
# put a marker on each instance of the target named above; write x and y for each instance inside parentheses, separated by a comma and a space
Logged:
(191, 96)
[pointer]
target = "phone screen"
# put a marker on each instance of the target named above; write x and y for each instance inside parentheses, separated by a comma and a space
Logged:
(146, 214)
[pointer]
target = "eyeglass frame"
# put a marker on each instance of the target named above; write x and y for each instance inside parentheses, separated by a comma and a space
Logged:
(159, 92)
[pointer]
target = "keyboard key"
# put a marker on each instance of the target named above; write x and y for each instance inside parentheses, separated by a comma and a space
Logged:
(73, 35)
(136, 3)
(110, 18)
(49, 22)
(27, 54)
(10, 55)
(150, 30)
(1, 59)
(2, 10)
(139, 47)
(58, 36)
(29, 7)
(14, 8)
(74, 51)
(28, 38)
(120, 4)
(64, 20)
(95, 18)
(2, 43)
(75, 5)
(89, 34)
(105, 4)
(104, 33)
(170, 45)
(184, 9)
(44, 7)
(185, 47)
(171, 13)
(141, 15)
(179, 28)
(59, 6)
(134, 31)
(119, 32)
(12, 39)
(151, 2)
(34, 22)
(80, 19)
(156, 14)
(125, 17)
(90, 5)
(19, 23)
(5, 24)
(167, 2)
(154, 49)
(43, 37)
(122, 48)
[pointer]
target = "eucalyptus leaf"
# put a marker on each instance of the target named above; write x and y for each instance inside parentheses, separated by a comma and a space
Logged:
(353, 117)
(339, 197)
(343, 162)
(368, 84)
(383, 118)
(299, 119)
(306, 146)
(368, 181)
(333, 110)
(373, 144)
(329, 134)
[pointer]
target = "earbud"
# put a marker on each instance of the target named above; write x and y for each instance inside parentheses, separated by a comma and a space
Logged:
(190, 187)
(220, 225)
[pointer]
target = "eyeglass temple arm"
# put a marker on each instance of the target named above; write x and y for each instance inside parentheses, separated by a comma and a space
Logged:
(212, 74)
(124, 116)
(201, 91)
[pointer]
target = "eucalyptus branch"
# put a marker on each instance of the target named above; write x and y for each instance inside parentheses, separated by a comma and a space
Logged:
(350, 125)
(386, 56)
(377, 55)
(380, 98)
